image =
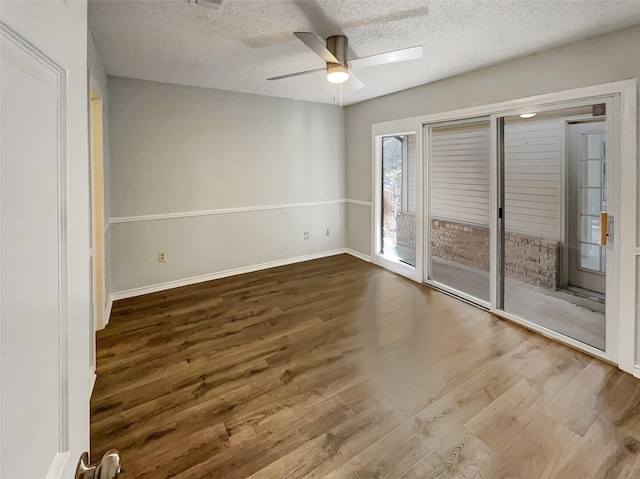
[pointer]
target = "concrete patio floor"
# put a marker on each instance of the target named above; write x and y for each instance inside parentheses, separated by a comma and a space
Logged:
(576, 316)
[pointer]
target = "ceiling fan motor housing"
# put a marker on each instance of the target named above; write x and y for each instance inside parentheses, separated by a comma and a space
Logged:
(338, 45)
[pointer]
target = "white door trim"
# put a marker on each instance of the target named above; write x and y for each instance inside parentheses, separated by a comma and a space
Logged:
(622, 87)
(627, 229)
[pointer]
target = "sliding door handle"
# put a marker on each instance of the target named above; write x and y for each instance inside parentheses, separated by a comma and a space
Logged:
(603, 228)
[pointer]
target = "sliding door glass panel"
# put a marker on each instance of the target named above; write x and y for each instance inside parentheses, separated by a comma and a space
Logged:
(398, 225)
(459, 185)
(553, 264)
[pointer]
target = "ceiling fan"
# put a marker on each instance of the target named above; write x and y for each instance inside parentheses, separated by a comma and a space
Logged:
(338, 68)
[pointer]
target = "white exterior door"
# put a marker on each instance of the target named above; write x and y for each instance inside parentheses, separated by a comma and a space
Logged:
(45, 321)
(397, 205)
(587, 199)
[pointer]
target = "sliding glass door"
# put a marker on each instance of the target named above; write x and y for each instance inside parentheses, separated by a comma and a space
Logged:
(459, 187)
(512, 206)
(517, 220)
(553, 192)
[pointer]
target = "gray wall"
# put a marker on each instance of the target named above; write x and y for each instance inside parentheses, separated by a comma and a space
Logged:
(602, 59)
(98, 81)
(182, 150)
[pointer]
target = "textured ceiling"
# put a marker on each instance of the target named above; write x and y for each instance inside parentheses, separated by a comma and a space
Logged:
(239, 45)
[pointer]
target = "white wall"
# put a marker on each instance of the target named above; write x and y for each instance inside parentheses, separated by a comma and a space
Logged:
(98, 81)
(191, 152)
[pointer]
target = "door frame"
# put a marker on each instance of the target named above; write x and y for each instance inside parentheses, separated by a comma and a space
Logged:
(622, 122)
(378, 132)
(96, 139)
(563, 274)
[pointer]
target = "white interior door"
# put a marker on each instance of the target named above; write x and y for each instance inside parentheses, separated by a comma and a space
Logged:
(44, 240)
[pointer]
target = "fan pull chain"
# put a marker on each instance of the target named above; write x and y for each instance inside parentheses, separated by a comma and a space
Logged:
(334, 93)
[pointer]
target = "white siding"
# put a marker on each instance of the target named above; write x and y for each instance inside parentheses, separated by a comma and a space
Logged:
(532, 177)
(460, 168)
(411, 174)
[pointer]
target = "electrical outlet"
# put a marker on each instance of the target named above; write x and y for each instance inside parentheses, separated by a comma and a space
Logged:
(327, 232)
(161, 257)
(306, 235)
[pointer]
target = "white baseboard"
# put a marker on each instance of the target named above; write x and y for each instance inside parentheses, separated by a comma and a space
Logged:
(358, 255)
(636, 371)
(107, 312)
(92, 382)
(130, 293)
(56, 469)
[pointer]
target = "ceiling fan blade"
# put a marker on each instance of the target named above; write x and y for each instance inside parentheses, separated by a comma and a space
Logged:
(313, 42)
(354, 81)
(389, 57)
(281, 77)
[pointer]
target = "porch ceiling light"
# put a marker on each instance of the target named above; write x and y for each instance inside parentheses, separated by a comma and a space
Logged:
(527, 115)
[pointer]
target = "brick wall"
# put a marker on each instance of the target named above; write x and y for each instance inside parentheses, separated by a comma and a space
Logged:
(528, 259)
(406, 233)
(464, 244)
(532, 260)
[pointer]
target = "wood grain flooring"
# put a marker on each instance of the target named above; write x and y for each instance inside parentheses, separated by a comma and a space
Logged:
(336, 368)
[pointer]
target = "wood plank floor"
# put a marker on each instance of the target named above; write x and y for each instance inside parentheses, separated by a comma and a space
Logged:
(338, 368)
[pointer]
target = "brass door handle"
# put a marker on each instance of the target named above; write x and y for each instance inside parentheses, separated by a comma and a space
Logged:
(107, 468)
(603, 228)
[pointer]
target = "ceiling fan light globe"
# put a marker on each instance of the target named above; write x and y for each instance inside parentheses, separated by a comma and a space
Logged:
(337, 77)
(337, 73)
